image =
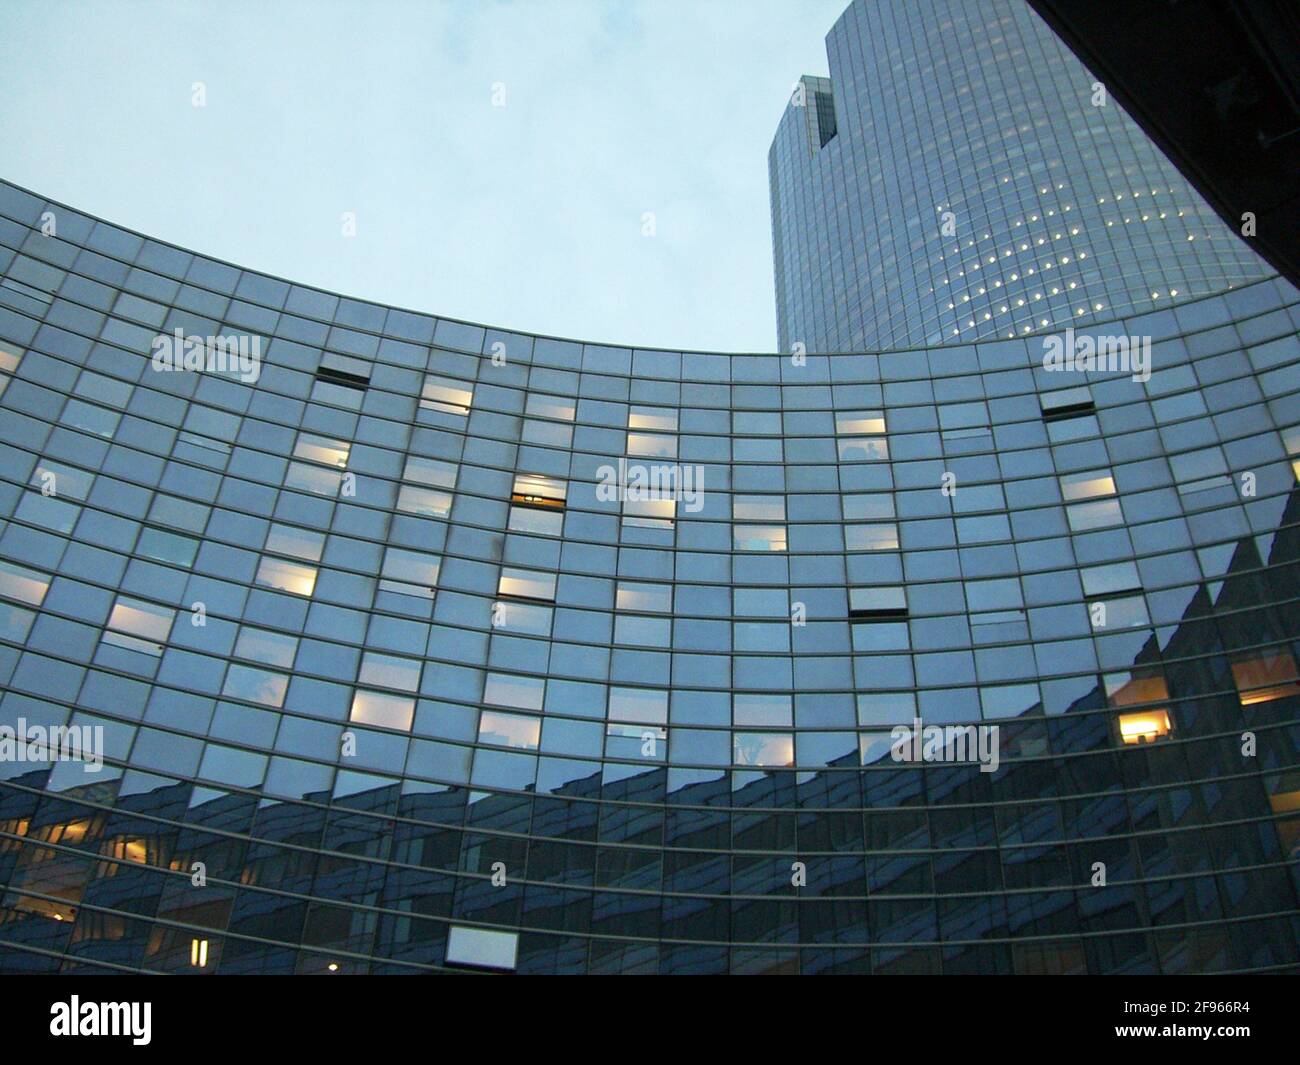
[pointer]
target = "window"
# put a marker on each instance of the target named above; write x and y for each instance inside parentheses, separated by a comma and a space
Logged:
(538, 490)
(270, 648)
(758, 508)
(1196, 471)
(661, 418)
(1107, 580)
(481, 948)
(1263, 676)
(859, 422)
(446, 395)
(763, 748)
(537, 504)
(383, 710)
(650, 513)
(552, 432)
(650, 598)
(882, 536)
(341, 381)
(139, 626)
(527, 584)
(286, 576)
(652, 445)
(315, 479)
(509, 689)
(344, 371)
(1290, 440)
(868, 507)
(322, 449)
(430, 471)
(855, 444)
(291, 540)
(1144, 726)
(762, 711)
(409, 573)
(256, 685)
(641, 705)
(884, 602)
(1066, 403)
(389, 671)
(1090, 485)
(509, 730)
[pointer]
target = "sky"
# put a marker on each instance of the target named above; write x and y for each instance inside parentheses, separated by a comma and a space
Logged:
(619, 195)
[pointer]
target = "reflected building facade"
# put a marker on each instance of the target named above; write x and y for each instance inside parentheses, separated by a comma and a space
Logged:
(393, 670)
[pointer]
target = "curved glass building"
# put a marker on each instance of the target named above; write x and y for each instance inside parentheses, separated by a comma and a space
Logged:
(962, 176)
(340, 638)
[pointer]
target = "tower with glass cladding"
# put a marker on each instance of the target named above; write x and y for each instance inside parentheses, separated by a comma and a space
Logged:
(962, 176)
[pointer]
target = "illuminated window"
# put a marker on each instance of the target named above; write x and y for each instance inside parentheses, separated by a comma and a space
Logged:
(447, 395)
(859, 422)
(1144, 726)
(527, 584)
(481, 948)
(1263, 676)
(322, 449)
(286, 576)
(1091, 484)
(383, 710)
(1291, 441)
(139, 626)
(537, 490)
(25, 585)
(661, 418)
(650, 513)
(652, 445)
(648, 598)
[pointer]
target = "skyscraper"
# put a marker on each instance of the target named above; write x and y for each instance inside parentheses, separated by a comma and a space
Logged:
(962, 176)
(336, 637)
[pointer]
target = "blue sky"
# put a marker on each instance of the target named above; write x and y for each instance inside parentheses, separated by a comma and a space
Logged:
(527, 216)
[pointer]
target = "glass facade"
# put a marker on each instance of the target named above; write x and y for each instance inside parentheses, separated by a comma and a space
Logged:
(340, 638)
(962, 176)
